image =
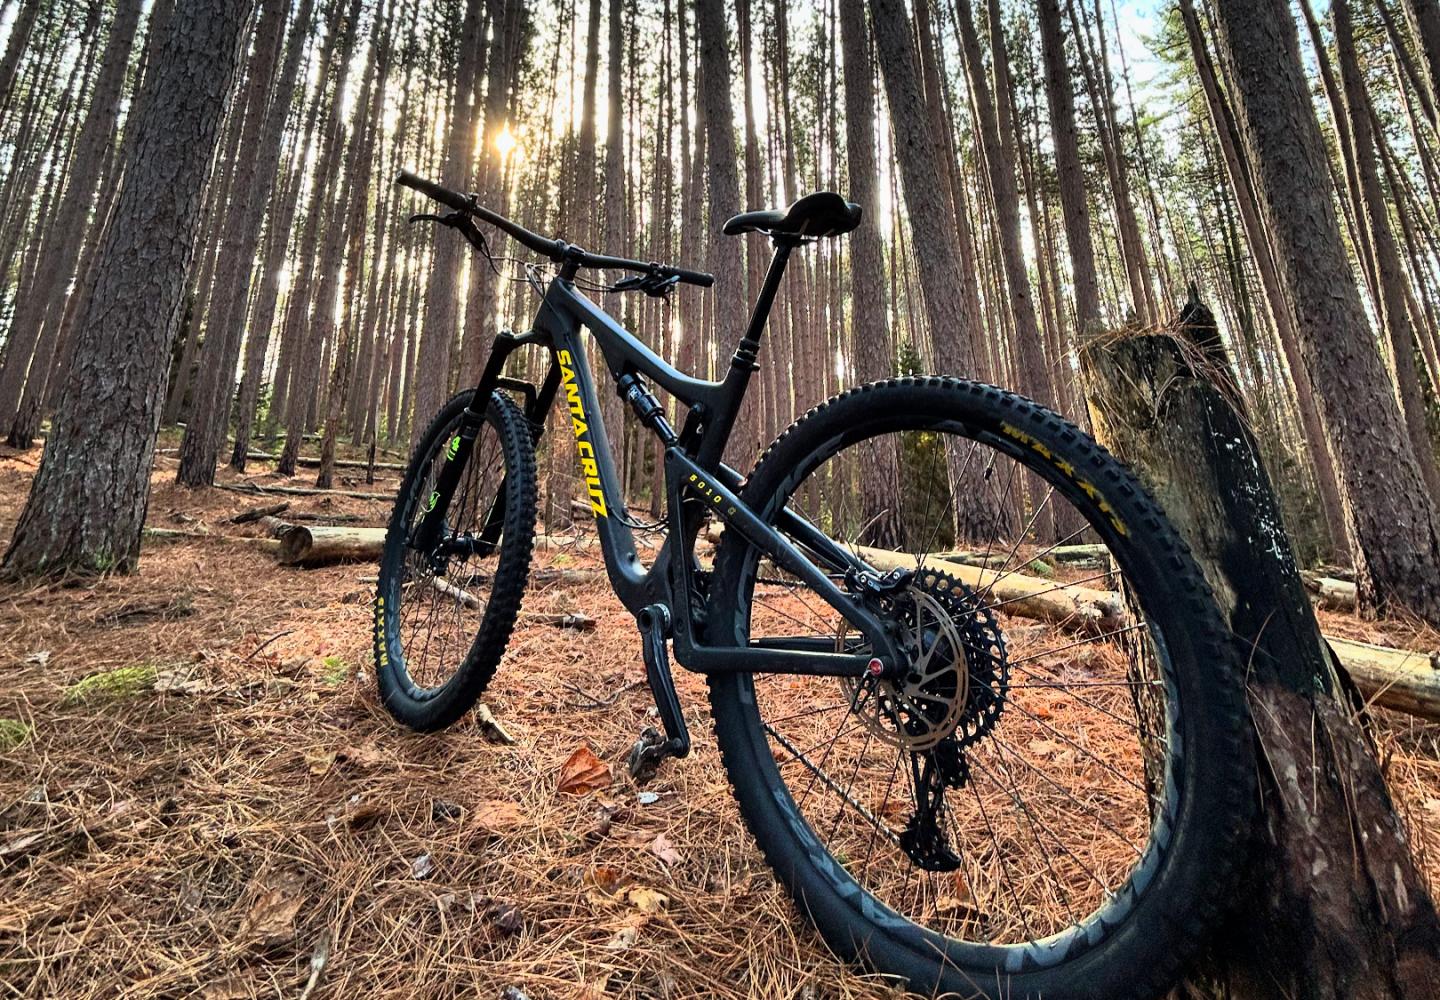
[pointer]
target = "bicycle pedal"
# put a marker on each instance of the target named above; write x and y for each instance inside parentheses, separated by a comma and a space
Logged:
(647, 754)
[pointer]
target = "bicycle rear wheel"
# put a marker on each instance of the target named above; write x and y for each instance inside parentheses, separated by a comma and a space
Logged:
(443, 617)
(1050, 801)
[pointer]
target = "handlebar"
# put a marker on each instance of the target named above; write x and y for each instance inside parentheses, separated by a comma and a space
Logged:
(556, 250)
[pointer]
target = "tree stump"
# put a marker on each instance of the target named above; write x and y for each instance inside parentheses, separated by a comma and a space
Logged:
(1334, 905)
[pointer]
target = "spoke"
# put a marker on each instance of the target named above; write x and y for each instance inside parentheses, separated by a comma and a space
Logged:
(1068, 794)
(1019, 540)
(1040, 593)
(809, 712)
(1035, 827)
(1162, 738)
(999, 855)
(1079, 642)
(1089, 753)
(833, 786)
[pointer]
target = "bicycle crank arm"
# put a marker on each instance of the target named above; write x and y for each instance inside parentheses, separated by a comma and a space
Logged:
(651, 749)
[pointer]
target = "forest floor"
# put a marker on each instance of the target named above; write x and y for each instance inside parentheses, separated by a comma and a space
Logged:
(233, 813)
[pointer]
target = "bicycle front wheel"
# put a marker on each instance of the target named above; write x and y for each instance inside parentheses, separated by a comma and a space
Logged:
(443, 616)
(1049, 799)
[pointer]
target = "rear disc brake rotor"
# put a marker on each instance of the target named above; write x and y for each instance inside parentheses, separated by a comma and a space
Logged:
(954, 684)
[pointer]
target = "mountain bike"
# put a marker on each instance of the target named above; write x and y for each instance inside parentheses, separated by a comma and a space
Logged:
(975, 700)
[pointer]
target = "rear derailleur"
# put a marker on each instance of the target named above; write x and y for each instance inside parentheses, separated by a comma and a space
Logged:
(924, 839)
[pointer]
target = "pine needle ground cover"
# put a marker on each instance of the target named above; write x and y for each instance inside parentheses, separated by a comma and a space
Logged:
(201, 796)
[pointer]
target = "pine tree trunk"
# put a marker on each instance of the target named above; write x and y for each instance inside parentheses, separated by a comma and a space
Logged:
(263, 133)
(324, 230)
(39, 312)
(1389, 274)
(874, 351)
(1243, 190)
(724, 201)
(1073, 202)
(87, 505)
(1334, 903)
(1393, 522)
(15, 47)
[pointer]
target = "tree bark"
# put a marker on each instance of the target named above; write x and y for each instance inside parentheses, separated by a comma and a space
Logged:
(30, 351)
(1074, 205)
(326, 230)
(263, 133)
(1335, 905)
(1389, 273)
(724, 199)
(1393, 523)
(86, 509)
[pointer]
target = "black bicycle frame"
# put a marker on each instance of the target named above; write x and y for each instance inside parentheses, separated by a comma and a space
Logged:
(696, 480)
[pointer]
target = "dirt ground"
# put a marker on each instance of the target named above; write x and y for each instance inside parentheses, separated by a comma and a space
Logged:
(235, 815)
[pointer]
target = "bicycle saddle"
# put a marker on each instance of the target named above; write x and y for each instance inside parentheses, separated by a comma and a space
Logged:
(823, 213)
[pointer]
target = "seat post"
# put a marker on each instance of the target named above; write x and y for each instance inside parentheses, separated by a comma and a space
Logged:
(749, 346)
(743, 362)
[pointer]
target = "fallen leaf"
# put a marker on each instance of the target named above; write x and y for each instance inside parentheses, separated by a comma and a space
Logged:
(605, 815)
(507, 918)
(583, 772)
(623, 939)
(647, 900)
(604, 877)
(422, 867)
(499, 816)
(665, 851)
(894, 808)
(366, 755)
(320, 763)
(358, 813)
(271, 919)
(232, 987)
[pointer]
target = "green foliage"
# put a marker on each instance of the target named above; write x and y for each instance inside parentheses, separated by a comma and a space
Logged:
(14, 734)
(334, 670)
(927, 522)
(122, 682)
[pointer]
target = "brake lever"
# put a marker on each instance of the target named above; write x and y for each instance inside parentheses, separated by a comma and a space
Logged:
(452, 219)
(659, 288)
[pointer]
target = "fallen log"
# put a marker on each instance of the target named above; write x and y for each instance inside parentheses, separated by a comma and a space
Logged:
(256, 513)
(1399, 679)
(1028, 596)
(328, 518)
(301, 491)
(321, 545)
(1329, 592)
